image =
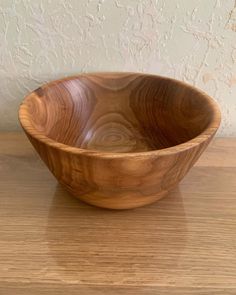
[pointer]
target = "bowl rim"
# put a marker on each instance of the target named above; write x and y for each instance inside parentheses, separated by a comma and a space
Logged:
(200, 138)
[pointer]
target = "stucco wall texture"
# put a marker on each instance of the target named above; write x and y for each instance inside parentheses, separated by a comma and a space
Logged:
(193, 41)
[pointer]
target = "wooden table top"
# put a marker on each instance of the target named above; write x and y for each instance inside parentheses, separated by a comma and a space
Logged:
(51, 243)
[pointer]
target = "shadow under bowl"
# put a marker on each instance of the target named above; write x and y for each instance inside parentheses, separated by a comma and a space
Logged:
(119, 140)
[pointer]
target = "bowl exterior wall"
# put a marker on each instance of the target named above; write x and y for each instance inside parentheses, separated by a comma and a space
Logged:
(118, 182)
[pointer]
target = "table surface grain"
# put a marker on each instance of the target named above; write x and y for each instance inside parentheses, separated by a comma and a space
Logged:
(51, 243)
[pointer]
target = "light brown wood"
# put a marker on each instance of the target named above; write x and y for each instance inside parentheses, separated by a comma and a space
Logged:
(227, 151)
(119, 140)
(51, 243)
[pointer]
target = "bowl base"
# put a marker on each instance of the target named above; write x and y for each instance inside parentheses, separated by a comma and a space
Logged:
(113, 200)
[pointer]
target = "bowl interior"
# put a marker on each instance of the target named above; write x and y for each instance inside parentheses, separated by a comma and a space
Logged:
(119, 112)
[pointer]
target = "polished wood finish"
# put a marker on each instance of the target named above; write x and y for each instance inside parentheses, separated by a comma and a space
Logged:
(51, 243)
(119, 140)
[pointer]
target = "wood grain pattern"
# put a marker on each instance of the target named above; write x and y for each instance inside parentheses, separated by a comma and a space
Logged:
(51, 243)
(119, 140)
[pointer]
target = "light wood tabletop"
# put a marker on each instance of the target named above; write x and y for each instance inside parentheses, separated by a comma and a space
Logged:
(51, 243)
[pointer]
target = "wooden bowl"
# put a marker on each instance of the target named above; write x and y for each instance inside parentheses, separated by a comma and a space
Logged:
(119, 140)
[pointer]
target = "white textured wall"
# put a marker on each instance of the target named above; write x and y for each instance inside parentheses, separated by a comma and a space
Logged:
(194, 41)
